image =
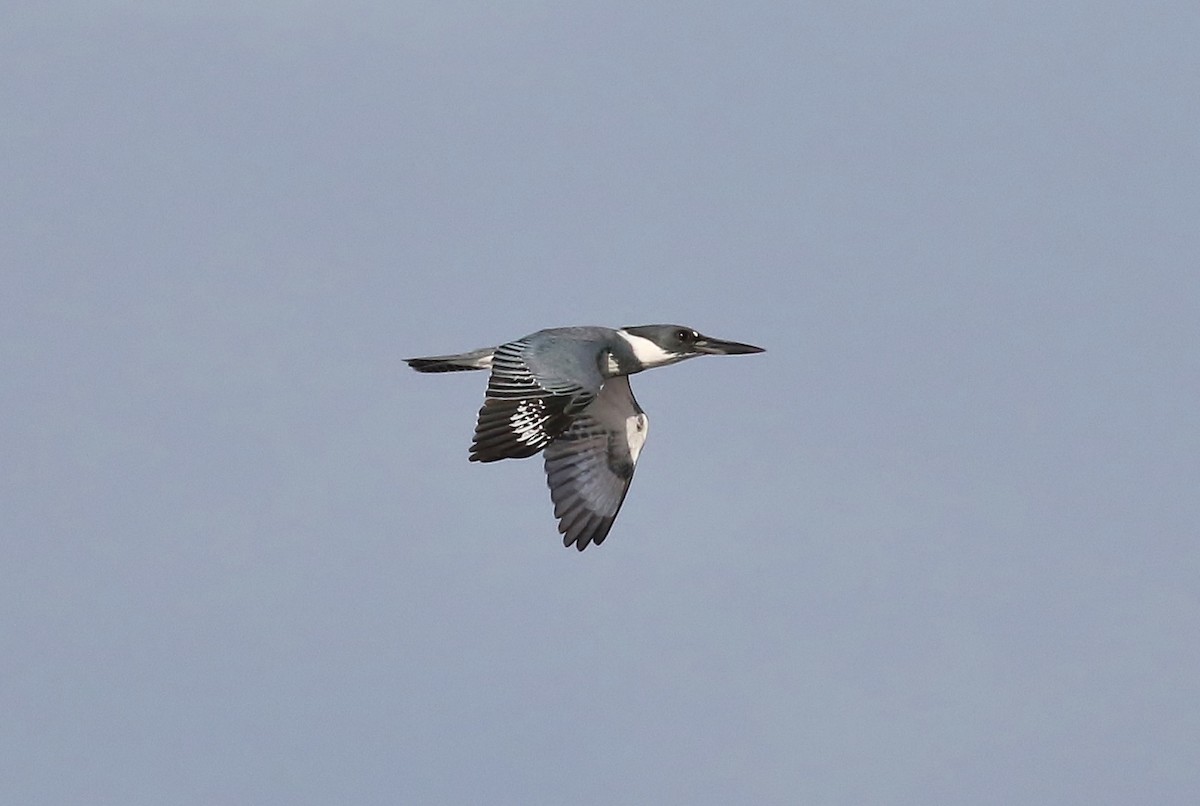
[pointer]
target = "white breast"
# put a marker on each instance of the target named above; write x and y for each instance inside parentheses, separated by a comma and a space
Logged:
(635, 433)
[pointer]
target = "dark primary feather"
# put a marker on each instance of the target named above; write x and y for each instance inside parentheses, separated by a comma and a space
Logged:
(589, 467)
(516, 429)
(523, 411)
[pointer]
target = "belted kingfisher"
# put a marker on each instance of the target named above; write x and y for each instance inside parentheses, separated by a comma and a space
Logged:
(566, 390)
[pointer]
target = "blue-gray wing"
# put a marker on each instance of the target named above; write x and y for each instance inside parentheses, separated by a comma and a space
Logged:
(590, 465)
(531, 397)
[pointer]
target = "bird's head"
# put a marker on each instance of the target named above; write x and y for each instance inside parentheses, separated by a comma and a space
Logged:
(657, 345)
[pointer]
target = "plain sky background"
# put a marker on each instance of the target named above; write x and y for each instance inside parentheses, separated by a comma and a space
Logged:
(939, 545)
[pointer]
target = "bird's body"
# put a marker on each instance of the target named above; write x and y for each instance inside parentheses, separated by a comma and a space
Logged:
(566, 391)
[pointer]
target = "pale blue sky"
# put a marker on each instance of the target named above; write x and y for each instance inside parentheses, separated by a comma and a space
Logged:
(939, 545)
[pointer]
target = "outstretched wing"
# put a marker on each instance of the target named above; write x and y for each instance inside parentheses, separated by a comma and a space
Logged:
(589, 467)
(526, 406)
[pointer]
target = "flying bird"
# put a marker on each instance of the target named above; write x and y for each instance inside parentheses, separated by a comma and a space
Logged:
(565, 391)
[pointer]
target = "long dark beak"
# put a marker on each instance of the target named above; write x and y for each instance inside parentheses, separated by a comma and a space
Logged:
(717, 347)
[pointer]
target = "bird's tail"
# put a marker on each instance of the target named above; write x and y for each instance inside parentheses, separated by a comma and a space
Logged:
(476, 359)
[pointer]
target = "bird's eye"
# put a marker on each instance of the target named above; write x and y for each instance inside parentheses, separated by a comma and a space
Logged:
(685, 336)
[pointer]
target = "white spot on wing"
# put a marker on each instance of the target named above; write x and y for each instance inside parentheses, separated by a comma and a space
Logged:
(527, 421)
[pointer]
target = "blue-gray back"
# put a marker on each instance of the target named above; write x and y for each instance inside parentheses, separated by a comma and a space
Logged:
(565, 359)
